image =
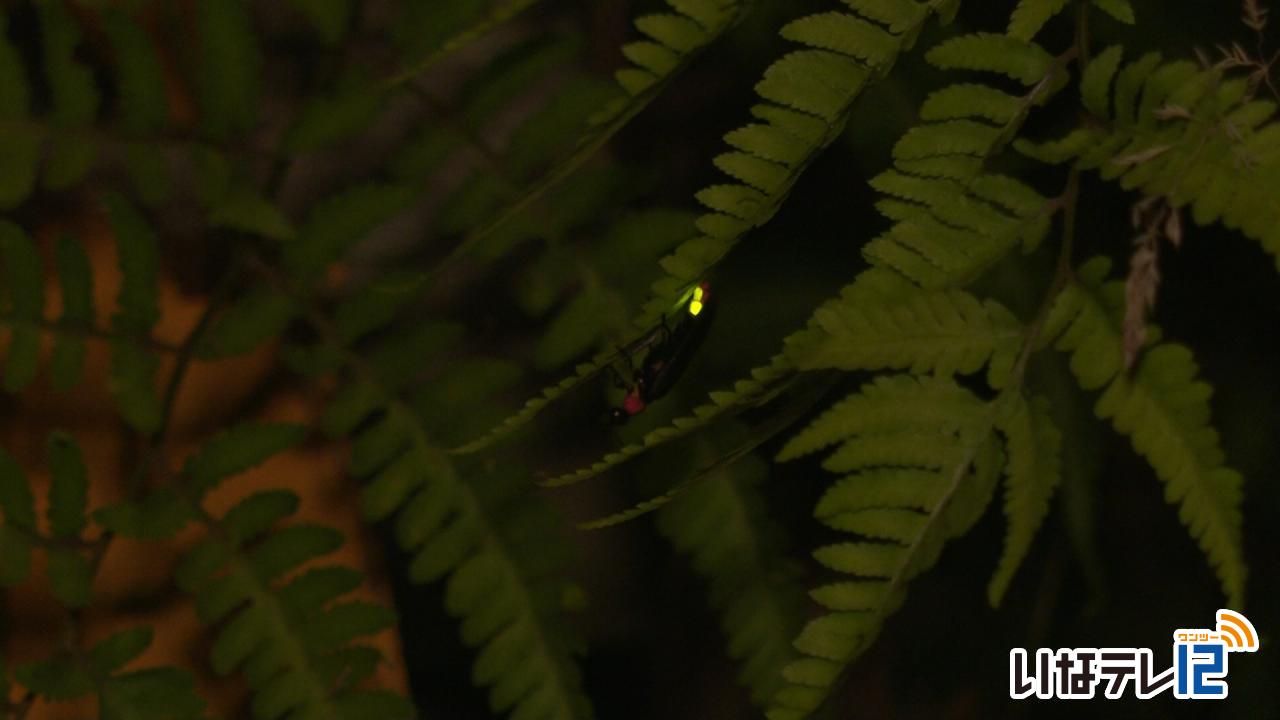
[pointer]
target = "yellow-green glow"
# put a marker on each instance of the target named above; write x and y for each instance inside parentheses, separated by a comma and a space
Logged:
(695, 305)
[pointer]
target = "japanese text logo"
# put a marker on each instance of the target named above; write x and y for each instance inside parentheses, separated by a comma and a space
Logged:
(1199, 670)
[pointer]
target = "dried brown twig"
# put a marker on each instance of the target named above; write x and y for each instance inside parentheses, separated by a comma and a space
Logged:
(1154, 218)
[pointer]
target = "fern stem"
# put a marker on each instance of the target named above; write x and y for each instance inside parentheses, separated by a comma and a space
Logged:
(109, 138)
(155, 443)
(1061, 276)
(494, 19)
(84, 330)
(1082, 32)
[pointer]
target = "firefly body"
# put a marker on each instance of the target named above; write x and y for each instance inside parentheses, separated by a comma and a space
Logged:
(669, 348)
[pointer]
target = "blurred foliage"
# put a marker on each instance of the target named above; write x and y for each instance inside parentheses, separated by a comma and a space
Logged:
(363, 235)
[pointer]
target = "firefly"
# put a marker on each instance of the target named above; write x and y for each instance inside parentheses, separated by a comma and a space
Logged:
(669, 349)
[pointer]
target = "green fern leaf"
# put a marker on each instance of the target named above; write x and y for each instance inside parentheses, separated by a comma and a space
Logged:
(116, 650)
(18, 504)
(143, 105)
(133, 369)
(16, 499)
(1095, 84)
(900, 17)
(475, 535)
(238, 449)
(151, 694)
(1031, 15)
(331, 119)
(1165, 412)
(159, 515)
(291, 638)
(675, 40)
(808, 92)
(23, 274)
(247, 212)
(20, 149)
(1189, 134)
(69, 488)
(74, 98)
(722, 526)
(766, 383)
(891, 401)
(1031, 477)
(15, 555)
(137, 248)
(252, 319)
(1163, 409)
(57, 678)
(374, 306)
(904, 508)
(845, 34)
(76, 281)
(1018, 59)
(940, 332)
(139, 76)
(340, 222)
(952, 221)
(505, 616)
(1121, 10)
(968, 100)
(230, 68)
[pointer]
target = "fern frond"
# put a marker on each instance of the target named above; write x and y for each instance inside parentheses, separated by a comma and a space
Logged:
(20, 147)
(229, 74)
(24, 276)
(1017, 59)
(1031, 15)
(951, 220)
(674, 41)
(808, 94)
(722, 525)
(74, 95)
(1164, 410)
(905, 505)
(143, 103)
(943, 332)
(766, 382)
(494, 542)
(70, 575)
(75, 279)
(1194, 136)
(503, 589)
(896, 401)
(799, 402)
(292, 637)
(807, 97)
(19, 528)
(22, 311)
(1121, 10)
(132, 379)
(163, 693)
(497, 15)
(1034, 448)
